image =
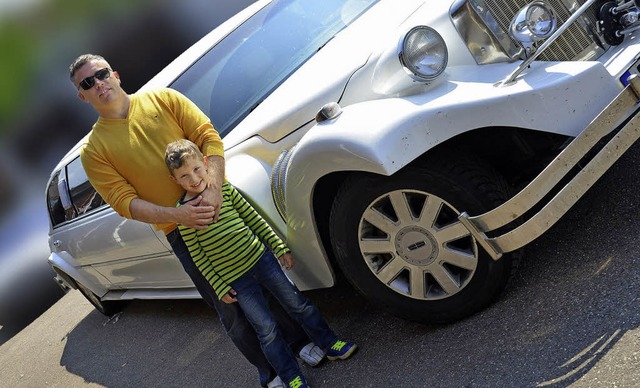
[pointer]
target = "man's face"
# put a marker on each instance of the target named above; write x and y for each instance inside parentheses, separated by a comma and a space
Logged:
(102, 91)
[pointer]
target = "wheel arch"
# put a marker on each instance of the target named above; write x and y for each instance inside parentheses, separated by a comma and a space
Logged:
(73, 275)
(518, 154)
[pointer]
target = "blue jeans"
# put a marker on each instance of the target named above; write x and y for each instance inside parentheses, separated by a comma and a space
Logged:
(233, 319)
(267, 273)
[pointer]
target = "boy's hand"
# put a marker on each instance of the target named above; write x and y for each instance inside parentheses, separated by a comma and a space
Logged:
(286, 261)
(230, 297)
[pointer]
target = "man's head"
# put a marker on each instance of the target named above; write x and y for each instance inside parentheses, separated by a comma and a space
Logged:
(81, 61)
(97, 84)
(187, 165)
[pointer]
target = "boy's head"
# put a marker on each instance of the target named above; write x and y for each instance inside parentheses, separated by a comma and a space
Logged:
(187, 165)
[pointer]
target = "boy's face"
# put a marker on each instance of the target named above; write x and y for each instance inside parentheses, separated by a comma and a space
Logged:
(192, 175)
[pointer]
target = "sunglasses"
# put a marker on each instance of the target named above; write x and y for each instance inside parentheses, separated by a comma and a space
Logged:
(88, 82)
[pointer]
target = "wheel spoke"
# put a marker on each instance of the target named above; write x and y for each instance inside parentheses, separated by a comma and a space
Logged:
(390, 271)
(401, 207)
(378, 220)
(376, 246)
(459, 259)
(451, 232)
(442, 276)
(429, 213)
(417, 283)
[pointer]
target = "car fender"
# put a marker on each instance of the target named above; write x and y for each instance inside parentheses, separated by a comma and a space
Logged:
(382, 136)
(62, 264)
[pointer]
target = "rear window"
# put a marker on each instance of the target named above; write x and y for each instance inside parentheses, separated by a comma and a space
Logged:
(54, 202)
(71, 195)
(83, 196)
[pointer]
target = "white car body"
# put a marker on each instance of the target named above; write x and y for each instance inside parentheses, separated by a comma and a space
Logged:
(388, 122)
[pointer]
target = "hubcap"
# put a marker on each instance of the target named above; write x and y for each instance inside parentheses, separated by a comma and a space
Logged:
(416, 246)
(413, 243)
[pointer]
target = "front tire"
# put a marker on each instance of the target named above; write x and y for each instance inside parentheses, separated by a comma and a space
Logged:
(398, 240)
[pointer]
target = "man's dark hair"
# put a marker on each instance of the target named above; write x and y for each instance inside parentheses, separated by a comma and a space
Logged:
(81, 61)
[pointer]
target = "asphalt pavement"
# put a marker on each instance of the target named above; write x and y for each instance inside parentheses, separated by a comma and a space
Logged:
(571, 317)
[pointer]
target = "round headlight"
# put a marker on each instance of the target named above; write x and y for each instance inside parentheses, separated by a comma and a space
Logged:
(423, 53)
(541, 20)
(534, 22)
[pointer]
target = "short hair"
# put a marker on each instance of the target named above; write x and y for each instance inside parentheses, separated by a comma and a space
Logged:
(179, 151)
(81, 61)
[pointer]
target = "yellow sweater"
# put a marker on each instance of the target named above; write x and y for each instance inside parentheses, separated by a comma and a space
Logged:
(124, 158)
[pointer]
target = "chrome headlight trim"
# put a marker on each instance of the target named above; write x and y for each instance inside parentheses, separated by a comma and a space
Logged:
(480, 31)
(423, 53)
(534, 22)
(578, 13)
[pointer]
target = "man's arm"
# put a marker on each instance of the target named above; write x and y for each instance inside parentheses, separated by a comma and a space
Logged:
(192, 214)
(213, 195)
(198, 128)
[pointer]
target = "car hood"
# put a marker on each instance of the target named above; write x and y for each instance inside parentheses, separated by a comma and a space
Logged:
(323, 78)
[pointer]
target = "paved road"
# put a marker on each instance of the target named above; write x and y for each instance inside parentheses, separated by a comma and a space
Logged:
(571, 317)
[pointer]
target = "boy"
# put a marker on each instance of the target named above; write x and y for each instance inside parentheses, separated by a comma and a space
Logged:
(232, 254)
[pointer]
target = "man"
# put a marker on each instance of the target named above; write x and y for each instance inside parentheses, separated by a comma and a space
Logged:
(124, 160)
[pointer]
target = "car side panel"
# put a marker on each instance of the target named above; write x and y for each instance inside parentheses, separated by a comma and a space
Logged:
(126, 252)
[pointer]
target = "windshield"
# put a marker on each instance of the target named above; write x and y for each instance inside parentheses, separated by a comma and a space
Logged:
(238, 73)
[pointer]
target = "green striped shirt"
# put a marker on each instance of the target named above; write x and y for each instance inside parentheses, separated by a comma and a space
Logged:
(231, 247)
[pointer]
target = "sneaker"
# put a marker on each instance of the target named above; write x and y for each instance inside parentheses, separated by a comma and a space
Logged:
(298, 382)
(311, 354)
(341, 350)
(276, 383)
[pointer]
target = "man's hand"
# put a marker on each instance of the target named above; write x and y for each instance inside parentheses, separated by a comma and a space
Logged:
(230, 297)
(195, 215)
(192, 214)
(212, 197)
(286, 261)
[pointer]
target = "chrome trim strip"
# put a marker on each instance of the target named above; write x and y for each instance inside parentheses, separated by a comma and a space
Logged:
(623, 107)
(279, 182)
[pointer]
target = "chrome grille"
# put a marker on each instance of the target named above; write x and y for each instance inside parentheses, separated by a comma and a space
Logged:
(578, 42)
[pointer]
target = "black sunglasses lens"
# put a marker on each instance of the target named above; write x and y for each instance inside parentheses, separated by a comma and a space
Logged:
(88, 82)
(102, 74)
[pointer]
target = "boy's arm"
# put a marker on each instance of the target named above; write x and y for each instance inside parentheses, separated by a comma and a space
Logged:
(257, 224)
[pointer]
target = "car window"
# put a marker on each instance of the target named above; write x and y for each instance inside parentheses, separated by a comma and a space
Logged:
(83, 196)
(237, 74)
(71, 196)
(54, 202)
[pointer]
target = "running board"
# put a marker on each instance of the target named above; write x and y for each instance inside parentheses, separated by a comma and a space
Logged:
(153, 293)
(621, 111)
